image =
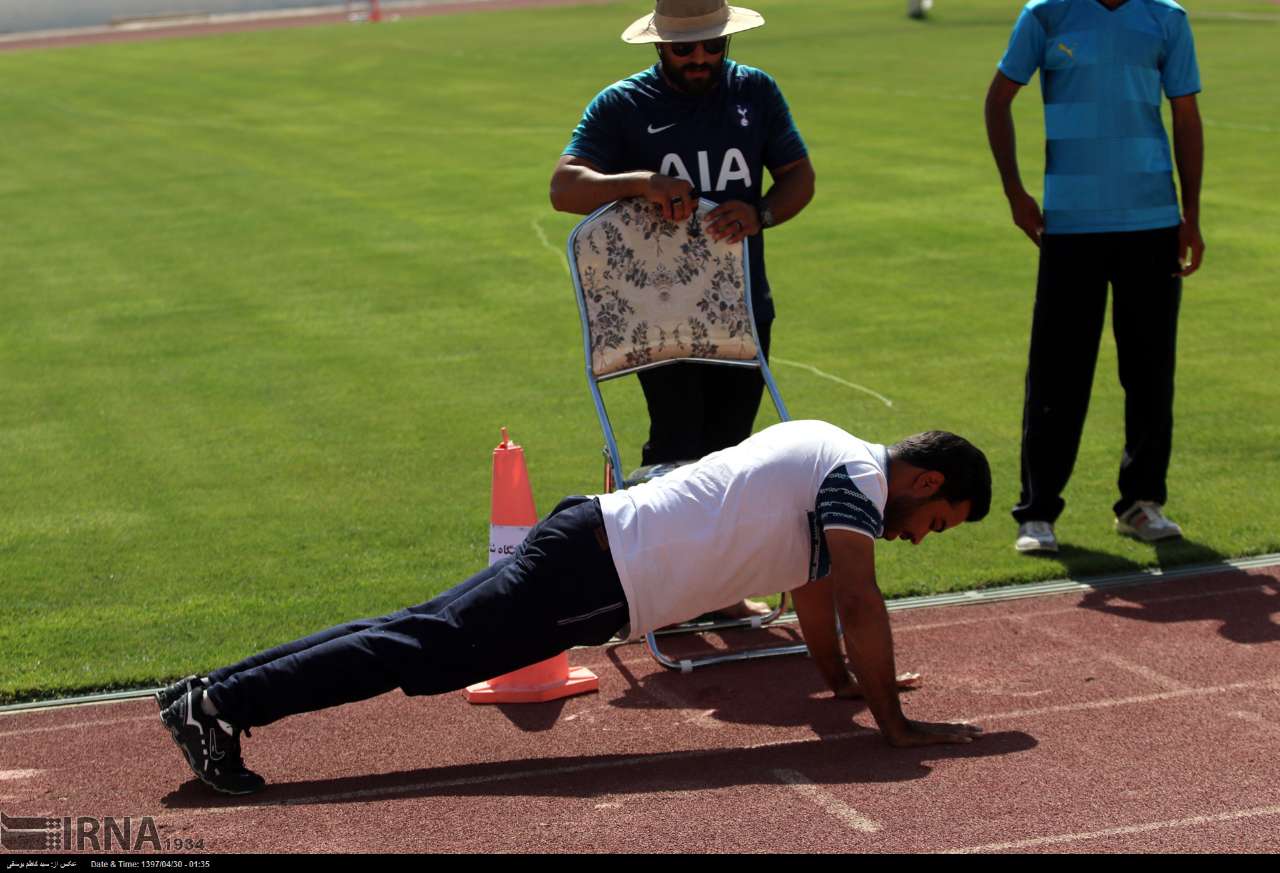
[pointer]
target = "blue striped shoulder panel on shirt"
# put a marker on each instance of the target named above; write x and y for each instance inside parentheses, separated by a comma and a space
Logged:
(840, 505)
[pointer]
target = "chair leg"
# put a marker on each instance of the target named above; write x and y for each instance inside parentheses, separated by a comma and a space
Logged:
(687, 665)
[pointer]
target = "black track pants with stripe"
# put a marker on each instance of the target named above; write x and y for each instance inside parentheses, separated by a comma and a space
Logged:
(560, 589)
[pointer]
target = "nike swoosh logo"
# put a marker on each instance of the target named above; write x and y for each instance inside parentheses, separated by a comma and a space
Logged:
(653, 129)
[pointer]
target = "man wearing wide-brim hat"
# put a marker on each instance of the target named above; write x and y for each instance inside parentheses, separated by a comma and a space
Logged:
(695, 124)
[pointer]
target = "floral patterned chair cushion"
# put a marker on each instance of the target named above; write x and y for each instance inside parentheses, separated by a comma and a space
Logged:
(656, 291)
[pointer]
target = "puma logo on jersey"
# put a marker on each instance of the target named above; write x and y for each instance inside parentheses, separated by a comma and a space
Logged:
(1070, 53)
(653, 129)
(732, 169)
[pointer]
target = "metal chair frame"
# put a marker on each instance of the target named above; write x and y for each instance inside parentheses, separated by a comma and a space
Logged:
(613, 458)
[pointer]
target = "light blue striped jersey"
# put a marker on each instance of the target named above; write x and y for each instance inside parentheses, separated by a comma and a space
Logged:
(1107, 165)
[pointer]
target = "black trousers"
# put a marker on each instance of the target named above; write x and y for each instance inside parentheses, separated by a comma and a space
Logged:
(1070, 308)
(697, 409)
(560, 589)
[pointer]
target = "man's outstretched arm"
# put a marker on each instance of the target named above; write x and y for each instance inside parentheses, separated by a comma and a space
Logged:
(816, 609)
(869, 643)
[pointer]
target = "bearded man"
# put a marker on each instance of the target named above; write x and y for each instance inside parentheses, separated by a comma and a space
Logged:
(695, 124)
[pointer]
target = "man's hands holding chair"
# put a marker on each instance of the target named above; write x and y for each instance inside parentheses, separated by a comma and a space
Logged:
(731, 221)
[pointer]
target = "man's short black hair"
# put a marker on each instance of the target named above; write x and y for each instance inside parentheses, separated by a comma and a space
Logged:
(967, 475)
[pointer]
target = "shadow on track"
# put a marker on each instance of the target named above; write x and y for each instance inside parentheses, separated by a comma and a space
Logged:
(1245, 604)
(856, 758)
(779, 692)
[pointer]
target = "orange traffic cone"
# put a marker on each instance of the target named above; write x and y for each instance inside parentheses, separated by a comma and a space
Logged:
(512, 517)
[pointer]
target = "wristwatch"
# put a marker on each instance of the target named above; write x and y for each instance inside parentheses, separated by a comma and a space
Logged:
(766, 215)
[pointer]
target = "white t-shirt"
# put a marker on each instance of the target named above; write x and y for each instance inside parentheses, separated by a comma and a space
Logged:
(744, 521)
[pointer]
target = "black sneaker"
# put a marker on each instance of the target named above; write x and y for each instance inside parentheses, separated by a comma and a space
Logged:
(211, 746)
(165, 697)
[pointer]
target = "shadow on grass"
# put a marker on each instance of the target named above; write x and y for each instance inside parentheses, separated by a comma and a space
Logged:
(1081, 563)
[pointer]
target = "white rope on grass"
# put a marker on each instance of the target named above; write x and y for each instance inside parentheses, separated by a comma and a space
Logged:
(1231, 125)
(542, 235)
(846, 383)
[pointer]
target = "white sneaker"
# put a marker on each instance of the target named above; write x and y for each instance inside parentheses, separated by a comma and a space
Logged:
(1146, 521)
(1036, 536)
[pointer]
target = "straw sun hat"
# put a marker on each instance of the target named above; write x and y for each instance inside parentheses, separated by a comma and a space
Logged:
(690, 21)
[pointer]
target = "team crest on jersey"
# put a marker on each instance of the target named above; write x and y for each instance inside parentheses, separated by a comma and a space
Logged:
(742, 116)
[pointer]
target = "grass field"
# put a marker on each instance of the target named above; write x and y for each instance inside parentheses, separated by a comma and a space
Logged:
(267, 298)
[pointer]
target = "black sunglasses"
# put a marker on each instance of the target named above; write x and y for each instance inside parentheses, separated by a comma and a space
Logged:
(710, 46)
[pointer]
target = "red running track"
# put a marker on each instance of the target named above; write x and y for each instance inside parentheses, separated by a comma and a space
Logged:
(1144, 719)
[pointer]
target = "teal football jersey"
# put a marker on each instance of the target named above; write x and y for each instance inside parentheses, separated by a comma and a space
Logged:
(720, 142)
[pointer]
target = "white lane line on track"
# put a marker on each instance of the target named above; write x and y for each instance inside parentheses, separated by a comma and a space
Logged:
(825, 375)
(805, 787)
(1255, 719)
(1237, 815)
(1168, 683)
(1120, 701)
(78, 724)
(669, 697)
(1063, 610)
(564, 259)
(9, 775)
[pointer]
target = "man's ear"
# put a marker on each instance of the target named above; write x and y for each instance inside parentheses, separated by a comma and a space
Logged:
(927, 484)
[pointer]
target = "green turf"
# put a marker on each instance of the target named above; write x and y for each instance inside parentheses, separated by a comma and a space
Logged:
(268, 297)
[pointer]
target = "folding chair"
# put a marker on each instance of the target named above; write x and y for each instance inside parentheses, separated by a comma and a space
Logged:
(652, 292)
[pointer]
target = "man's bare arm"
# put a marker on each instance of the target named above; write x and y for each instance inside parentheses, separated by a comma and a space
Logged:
(580, 187)
(869, 643)
(1004, 148)
(792, 189)
(1188, 151)
(816, 609)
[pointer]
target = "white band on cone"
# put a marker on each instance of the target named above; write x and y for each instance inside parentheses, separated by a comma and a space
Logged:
(503, 541)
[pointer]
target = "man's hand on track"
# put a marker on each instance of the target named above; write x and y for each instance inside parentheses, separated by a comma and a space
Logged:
(926, 733)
